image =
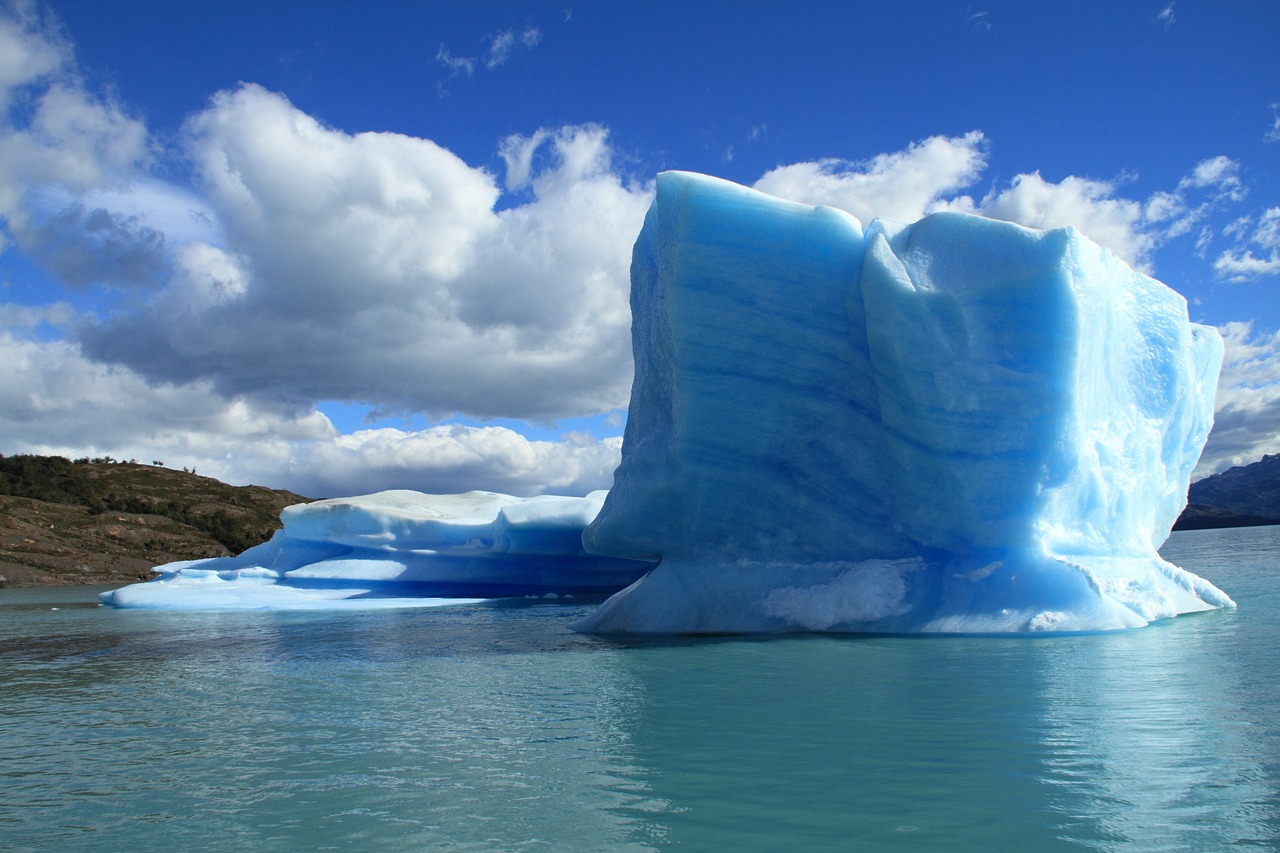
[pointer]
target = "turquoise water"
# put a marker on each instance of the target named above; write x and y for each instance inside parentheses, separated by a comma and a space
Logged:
(492, 727)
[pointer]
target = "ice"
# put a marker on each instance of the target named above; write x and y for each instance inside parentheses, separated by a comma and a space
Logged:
(956, 425)
(397, 549)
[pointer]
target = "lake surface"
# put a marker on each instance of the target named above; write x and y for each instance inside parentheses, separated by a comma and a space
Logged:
(492, 727)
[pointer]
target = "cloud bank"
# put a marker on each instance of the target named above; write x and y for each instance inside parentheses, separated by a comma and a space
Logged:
(202, 320)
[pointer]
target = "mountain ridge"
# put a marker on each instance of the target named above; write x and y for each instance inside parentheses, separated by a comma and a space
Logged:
(1243, 496)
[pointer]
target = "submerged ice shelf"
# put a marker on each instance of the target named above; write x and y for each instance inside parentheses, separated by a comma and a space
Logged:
(956, 425)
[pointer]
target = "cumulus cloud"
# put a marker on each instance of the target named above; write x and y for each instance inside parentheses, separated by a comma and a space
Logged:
(306, 264)
(55, 401)
(83, 246)
(1091, 206)
(53, 134)
(1247, 417)
(1131, 228)
(928, 176)
(374, 267)
(30, 49)
(899, 185)
(445, 460)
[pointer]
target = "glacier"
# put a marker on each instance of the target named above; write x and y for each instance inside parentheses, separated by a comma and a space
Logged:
(957, 425)
(398, 549)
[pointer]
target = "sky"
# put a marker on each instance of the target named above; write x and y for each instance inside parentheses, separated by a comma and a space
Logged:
(339, 248)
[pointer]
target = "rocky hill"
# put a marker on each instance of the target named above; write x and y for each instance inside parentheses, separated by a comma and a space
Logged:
(1243, 496)
(103, 521)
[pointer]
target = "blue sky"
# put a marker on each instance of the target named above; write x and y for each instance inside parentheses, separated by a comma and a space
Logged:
(341, 247)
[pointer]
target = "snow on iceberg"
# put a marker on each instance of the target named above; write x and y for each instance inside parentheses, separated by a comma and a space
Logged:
(398, 548)
(958, 425)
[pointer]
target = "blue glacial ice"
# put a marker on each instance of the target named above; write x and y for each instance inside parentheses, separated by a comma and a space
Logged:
(397, 549)
(956, 425)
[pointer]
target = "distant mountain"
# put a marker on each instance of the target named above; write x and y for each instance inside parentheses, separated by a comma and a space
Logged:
(1243, 496)
(103, 521)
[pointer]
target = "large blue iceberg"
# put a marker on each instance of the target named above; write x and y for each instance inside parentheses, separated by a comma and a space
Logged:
(956, 425)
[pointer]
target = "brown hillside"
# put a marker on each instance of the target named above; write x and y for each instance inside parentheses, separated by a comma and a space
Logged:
(64, 522)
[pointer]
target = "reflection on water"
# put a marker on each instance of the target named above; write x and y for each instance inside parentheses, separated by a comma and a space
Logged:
(1157, 740)
(494, 727)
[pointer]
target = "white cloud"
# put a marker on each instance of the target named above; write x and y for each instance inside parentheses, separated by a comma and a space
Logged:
(928, 175)
(1165, 17)
(517, 152)
(978, 20)
(1241, 264)
(899, 185)
(501, 45)
(445, 460)
(30, 49)
(1247, 416)
(1221, 174)
(1090, 206)
(1244, 265)
(1267, 234)
(498, 51)
(374, 267)
(66, 139)
(55, 401)
(1273, 135)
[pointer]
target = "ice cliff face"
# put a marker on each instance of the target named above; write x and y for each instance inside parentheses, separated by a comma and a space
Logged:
(954, 425)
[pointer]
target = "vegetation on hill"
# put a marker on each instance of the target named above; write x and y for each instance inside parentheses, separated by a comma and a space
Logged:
(103, 521)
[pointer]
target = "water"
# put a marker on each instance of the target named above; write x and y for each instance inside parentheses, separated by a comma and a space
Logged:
(492, 727)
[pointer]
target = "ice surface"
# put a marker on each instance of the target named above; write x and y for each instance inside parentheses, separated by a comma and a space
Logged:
(957, 425)
(399, 548)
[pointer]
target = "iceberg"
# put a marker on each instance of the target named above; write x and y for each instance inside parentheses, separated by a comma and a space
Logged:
(398, 549)
(957, 425)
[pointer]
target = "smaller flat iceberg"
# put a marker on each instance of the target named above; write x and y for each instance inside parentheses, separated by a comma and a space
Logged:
(398, 549)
